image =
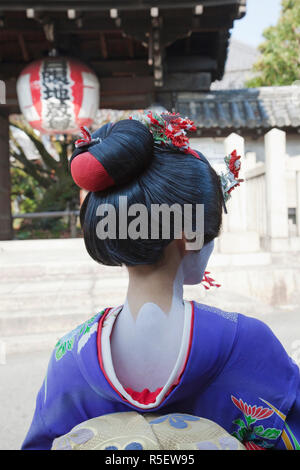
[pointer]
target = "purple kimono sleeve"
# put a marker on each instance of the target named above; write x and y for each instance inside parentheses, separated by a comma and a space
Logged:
(38, 436)
(290, 437)
(58, 405)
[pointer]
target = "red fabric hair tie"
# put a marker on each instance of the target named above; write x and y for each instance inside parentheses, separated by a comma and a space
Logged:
(87, 171)
(89, 174)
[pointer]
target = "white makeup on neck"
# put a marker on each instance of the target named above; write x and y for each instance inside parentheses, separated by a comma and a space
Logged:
(145, 349)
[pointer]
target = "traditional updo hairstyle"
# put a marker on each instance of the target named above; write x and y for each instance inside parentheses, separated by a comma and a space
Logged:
(125, 162)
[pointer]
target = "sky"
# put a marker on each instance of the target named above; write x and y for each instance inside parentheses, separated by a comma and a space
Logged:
(260, 14)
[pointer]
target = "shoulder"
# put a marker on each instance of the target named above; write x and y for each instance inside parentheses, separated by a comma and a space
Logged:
(216, 312)
(251, 334)
(64, 363)
(256, 338)
(214, 334)
(64, 367)
(74, 340)
(249, 329)
(253, 342)
(262, 353)
(215, 325)
(257, 333)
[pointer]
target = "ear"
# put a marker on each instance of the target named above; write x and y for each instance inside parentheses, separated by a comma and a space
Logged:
(187, 241)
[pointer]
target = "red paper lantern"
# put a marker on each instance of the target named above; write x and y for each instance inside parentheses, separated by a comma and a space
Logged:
(58, 95)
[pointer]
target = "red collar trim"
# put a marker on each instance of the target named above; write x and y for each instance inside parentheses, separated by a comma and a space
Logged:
(145, 397)
(100, 355)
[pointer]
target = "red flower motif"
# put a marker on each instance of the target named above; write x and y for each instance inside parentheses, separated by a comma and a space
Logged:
(251, 446)
(175, 129)
(209, 280)
(153, 120)
(170, 129)
(234, 163)
(86, 137)
(177, 137)
(253, 411)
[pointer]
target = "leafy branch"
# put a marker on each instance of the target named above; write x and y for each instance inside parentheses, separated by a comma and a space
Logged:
(279, 63)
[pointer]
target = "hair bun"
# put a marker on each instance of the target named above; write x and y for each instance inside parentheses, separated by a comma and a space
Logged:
(124, 151)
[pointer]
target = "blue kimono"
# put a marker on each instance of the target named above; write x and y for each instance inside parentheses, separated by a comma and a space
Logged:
(235, 373)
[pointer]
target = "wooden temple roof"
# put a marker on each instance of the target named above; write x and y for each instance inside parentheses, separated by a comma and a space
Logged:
(124, 42)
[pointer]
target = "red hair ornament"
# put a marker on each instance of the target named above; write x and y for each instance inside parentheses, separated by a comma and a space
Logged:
(88, 172)
(168, 130)
(230, 179)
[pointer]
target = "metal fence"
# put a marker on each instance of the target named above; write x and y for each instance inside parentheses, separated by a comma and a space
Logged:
(72, 215)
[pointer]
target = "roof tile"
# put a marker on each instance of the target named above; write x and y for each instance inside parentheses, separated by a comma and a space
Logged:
(244, 108)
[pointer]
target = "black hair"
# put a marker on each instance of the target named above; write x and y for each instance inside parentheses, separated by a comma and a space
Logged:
(126, 149)
(147, 174)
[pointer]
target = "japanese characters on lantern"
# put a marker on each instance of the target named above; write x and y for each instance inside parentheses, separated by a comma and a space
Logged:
(58, 95)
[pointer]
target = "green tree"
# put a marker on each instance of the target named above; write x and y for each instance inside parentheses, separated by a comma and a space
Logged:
(52, 176)
(44, 184)
(25, 191)
(279, 63)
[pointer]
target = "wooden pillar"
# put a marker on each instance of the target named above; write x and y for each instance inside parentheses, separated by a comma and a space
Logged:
(6, 232)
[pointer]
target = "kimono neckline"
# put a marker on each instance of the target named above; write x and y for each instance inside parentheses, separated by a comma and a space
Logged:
(145, 399)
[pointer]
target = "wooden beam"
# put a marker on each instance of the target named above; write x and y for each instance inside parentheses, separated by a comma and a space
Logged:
(176, 27)
(103, 68)
(125, 85)
(92, 24)
(188, 46)
(126, 101)
(190, 64)
(187, 81)
(134, 67)
(105, 5)
(130, 44)
(103, 46)
(23, 47)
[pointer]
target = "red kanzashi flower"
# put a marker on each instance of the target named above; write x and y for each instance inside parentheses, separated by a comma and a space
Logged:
(176, 128)
(86, 137)
(253, 411)
(169, 129)
(234, 163)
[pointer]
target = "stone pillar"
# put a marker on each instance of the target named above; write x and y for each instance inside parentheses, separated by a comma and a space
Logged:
(249, 161)
(276, 194)
(5, 203)
(235, 237)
